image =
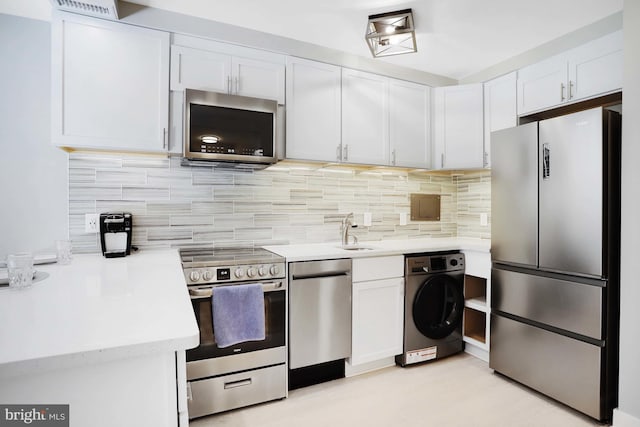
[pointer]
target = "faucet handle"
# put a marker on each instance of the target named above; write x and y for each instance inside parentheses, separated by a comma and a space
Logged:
(355, 239)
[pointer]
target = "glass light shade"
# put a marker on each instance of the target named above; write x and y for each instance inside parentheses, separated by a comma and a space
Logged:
(391, 33)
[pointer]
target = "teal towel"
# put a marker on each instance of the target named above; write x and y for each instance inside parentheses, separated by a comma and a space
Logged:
(238, 314)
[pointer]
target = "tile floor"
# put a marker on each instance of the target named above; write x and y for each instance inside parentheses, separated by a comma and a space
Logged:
(457, 391)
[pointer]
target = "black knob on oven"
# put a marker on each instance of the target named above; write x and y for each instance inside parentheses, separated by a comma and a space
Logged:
(453, 262)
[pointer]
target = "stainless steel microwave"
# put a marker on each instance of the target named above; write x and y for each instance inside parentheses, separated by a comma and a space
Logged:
(229, 128)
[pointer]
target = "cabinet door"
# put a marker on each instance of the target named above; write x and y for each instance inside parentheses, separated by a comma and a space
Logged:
(110, 85)
(200, 69)
(459, 127)
(409, 124)
(365, 118)
(313, 111)
(596, 67)
(377, 320)
(542, 85)
(258, 79)
(500, 108)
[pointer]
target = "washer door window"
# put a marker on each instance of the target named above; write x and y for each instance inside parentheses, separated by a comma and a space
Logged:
(438, 306)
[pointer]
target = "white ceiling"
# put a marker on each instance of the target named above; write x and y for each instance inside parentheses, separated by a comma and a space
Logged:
(456, 38)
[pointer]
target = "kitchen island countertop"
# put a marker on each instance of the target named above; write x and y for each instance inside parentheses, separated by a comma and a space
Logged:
(96, 308)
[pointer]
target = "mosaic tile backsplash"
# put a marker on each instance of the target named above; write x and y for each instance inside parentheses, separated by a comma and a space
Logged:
(174, 205)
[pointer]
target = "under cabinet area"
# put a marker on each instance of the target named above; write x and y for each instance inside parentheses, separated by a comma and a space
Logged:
(377, 312)
(477, 294)
(110, 85)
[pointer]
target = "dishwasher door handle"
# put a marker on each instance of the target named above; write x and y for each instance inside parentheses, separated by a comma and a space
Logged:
(320, 276)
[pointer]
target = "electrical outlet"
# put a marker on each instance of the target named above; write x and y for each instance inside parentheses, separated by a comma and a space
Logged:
(91, 223)
(403, 218)
(367, 219)
(484, 220)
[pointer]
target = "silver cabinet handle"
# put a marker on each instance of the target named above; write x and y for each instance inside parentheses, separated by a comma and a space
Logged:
(442, 160)
(570, 89)
(345, 152)
(338, 150)
(229, 85)
(164, 138)
(393, 157)
(546, 161)
(562, 92)
(189, 394)
(485, 162)
(237, 85)
(240, 383)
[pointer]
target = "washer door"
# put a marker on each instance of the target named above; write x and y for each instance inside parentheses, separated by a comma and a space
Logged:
(438, 306)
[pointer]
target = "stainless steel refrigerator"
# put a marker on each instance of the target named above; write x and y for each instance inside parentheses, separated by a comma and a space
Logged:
(555, 209)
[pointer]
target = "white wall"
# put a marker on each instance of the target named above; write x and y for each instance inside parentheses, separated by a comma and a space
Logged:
(628, 412)
(33, 174)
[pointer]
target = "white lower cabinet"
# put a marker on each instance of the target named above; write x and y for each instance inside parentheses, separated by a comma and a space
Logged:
(378, 309)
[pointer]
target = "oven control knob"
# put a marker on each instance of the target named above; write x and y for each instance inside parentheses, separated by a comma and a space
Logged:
(262, 271)
(194, 276)
(251, 272)
(274, 270)
(207, 275)
(238, 273)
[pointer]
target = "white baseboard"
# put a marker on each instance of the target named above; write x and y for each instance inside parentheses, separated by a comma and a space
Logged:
(477, 352)
(350, 370)
(622, 419)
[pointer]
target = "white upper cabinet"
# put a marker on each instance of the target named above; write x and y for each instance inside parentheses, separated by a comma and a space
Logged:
(365, 118)
(500, 108)
(458, 127)
(110, 85)
(220, 67)
(596, 67)
(409, 124)
(592, 69)
(313, 111)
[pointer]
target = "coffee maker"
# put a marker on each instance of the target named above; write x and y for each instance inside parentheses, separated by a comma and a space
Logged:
(115, 234)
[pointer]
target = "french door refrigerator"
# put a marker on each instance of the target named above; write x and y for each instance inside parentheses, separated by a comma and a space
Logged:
(555, 209)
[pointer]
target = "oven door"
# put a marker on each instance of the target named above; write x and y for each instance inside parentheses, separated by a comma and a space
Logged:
(274, 307)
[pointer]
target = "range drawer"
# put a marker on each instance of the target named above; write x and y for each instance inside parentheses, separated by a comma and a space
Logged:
(563, 368)
(234, 391)
(571, 306)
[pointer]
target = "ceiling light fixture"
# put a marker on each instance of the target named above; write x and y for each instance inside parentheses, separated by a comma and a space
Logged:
(391, 33)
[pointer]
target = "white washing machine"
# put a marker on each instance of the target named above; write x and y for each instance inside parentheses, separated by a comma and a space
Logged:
(433, 307)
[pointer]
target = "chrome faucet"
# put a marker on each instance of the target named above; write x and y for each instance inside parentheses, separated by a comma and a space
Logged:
(347, 222)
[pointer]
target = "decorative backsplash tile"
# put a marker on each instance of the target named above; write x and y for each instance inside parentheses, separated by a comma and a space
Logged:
(175, 205)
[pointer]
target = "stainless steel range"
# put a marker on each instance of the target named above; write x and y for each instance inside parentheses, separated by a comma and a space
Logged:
(221, 377)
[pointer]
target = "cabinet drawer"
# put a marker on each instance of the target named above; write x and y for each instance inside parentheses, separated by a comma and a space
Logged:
(377, 268)
(237, 390)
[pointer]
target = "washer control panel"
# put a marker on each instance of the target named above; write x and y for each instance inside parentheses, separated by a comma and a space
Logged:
(434, 263)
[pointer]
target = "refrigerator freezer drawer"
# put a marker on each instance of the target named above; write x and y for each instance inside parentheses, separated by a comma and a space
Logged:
(572, 306)
(563, 368)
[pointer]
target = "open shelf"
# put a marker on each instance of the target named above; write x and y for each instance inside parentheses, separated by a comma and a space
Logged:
(479, 304)
(475, 325)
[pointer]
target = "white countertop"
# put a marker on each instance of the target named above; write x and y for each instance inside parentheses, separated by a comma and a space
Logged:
(96, 305)
(316, 251)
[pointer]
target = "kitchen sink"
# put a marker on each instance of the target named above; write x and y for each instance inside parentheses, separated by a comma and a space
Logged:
(355, 248)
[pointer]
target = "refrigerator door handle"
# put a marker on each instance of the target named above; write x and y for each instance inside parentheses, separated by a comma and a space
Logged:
(546, 161)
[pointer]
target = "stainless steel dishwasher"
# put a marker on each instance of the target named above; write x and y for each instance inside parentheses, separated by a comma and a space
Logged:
(319, 320)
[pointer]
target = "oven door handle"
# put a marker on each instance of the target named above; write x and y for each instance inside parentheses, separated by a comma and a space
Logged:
(208, 292)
